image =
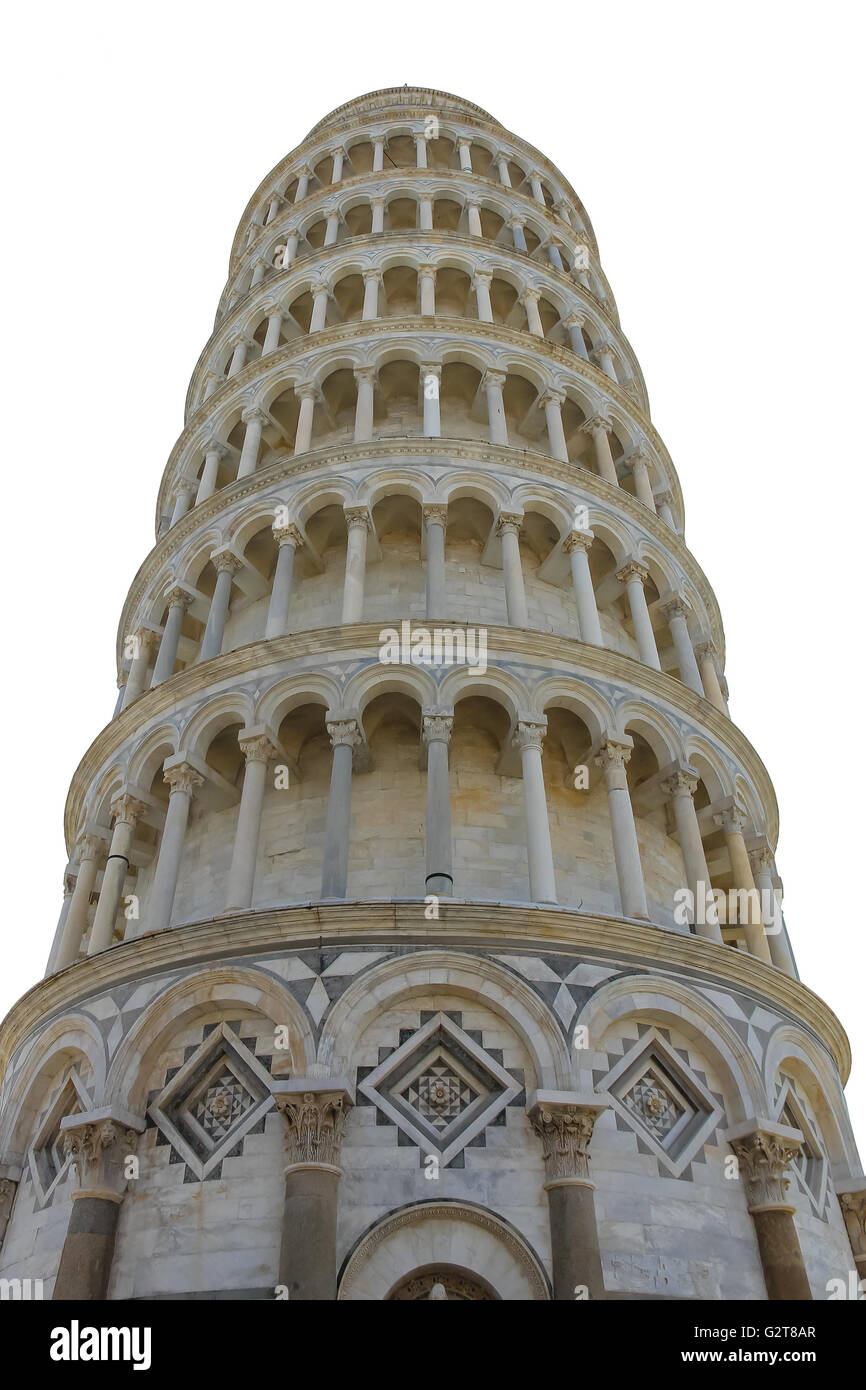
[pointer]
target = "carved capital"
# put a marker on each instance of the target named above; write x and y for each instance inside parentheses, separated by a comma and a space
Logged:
(255, 415)
(578, 540)
(632, 570)
(344, 733)
(509, 522)
(315, 1125)
(226, 560)
(357, 516)
(258, 749)
(493, 379)
(288, 535)
(90, 847)
(599, 421)
(436, 727)
(530, 734)
(613, 754)
(732, 820)
(183, 778)
(127, 808)
(178, 598)
(99, 1149)
(764, 1157)
(435, 513)
(565, 1131)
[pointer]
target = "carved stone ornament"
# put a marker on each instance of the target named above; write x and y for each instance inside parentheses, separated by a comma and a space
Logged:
(183, 778)
(764, 1158)
(853, 1206)
(316, 1123)
(98, 1150)
(565, 1132)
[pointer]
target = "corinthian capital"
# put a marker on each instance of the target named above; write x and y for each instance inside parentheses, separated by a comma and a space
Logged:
(183, 778)
(564, 1127)
(765, 1153)
(315, 1125)
(99, 1150)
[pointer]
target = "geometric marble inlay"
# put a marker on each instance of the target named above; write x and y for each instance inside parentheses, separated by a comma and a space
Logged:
(664, 1102)
(441, 1088)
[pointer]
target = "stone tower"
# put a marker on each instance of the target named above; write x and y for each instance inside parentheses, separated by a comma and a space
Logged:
(421, 934)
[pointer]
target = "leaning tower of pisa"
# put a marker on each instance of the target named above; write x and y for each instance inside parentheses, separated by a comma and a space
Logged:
(421, 934)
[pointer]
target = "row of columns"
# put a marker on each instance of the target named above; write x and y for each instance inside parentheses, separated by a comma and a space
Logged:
(315, 1113)
(697, 662)
(260, 746)
(599, 427)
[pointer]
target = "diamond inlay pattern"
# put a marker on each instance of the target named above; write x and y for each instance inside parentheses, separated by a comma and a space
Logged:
(439, 1095)
(221, 1105)
(654, 1105)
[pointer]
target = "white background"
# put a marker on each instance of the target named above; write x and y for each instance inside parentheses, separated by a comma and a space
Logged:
(717, 151)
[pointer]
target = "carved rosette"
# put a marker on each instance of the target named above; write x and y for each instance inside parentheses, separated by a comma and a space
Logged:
(565, 1132)
(315, 1125)
(98, 1150)
(764, 1159)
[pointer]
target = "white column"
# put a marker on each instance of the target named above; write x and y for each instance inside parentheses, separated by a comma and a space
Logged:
(321, 295)
(365, 378)
(182, 778)
(436, 733)
(529, 299)
(257, 751)
(639, 464)
(372, 281)
(136, 681)
(430, 374)
(304, 432)
(332, 227)
(182, 499)
(126, 811)
(337, 167)
(303, 184)
(345, 735)
(90, 851)
(227, 565)
(239, 355)
(474, 220)
(427, 278)
(435, 519)
(574, 323)
(517, 231)
(273, 208)
(255, 420)
(529, 738)
(762, 864)
(613, 757)
(552, 403)
(214, 451)
(502, 170)
(731, 822)
(421, 151)
(664, 501)
(178, 602)
(290, 251)
(377, 208)
(493, 382)
(537, 191)
(706, 655)
(508, 530)
(562, 210)
(358, 526)
(675, 612)
(57, 944)
(378, 153)
(481, 285)
(289, 540)
(425, 214)
(681, 789)
(598, 426)
(634, 576)
(554, 256)
(259, 269)
(577, 547)
(603, 360)
(464, 150)
(275, 325)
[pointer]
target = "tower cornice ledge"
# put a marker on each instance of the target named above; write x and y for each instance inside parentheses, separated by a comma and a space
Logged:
(462, 926)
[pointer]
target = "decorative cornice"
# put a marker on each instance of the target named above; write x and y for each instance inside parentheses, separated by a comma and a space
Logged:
(482, 925)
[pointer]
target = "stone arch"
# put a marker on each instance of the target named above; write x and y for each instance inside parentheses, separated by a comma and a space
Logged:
(790, 1049)
(369, 684)
(562, 692)
(149, 755)
(456, 1234)
(653, 998)
(67, 1041)
(309, 688)
(654, 726)
(497, 685)
(231, 708)
(217, 988)
(463, 975)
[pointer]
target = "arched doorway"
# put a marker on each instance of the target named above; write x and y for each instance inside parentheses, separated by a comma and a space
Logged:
(443, 1282)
